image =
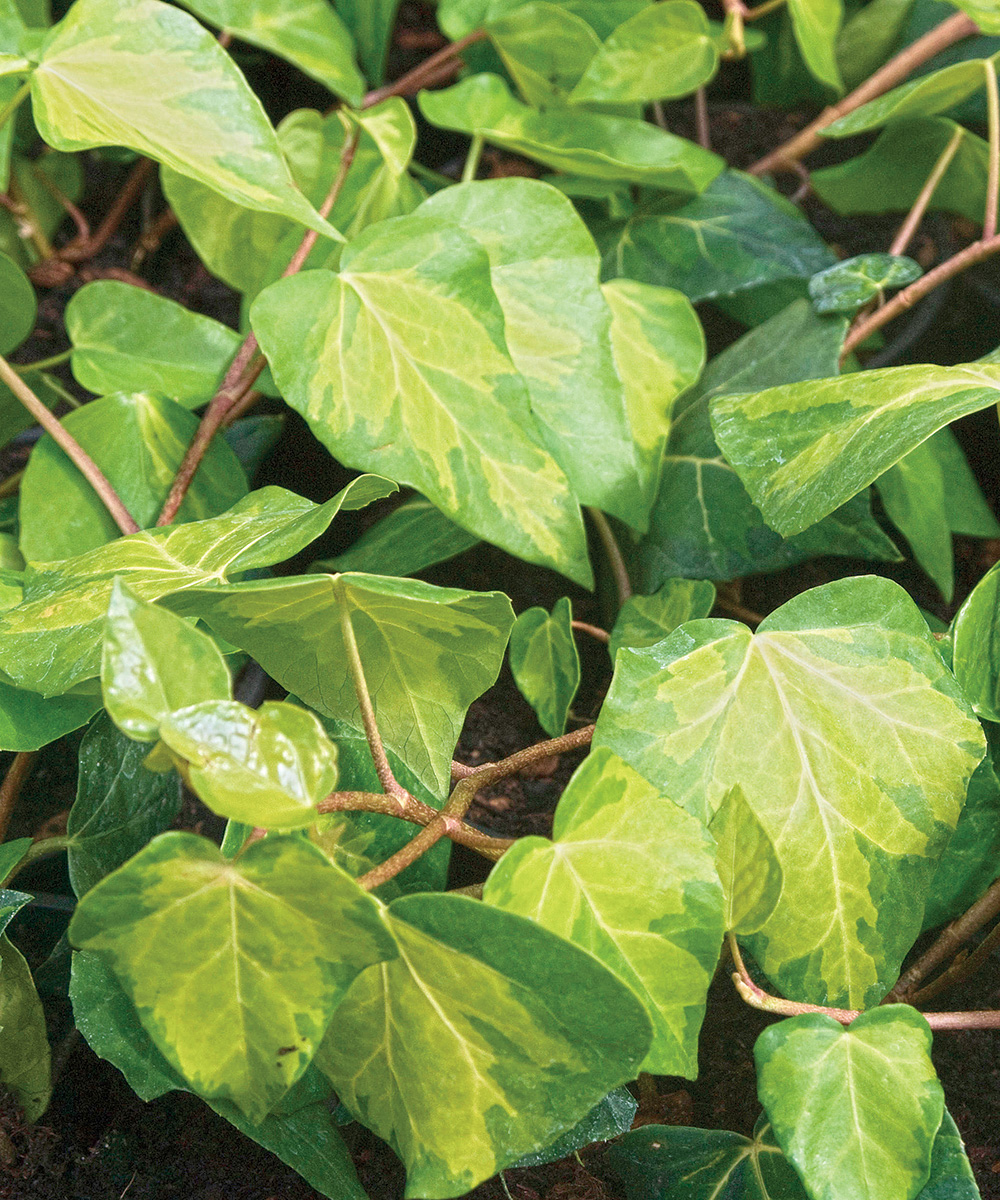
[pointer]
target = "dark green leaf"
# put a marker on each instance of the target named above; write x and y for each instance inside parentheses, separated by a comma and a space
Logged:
(878, 1078)
(545, 663)
(139, 442)
(583, 143)
(119, 805)
(913, 496)
(153, 663)
(630, 877)
(613, 1116)
(371, 23)
(414, 536)
(11, 853)
(848, 285)
(18, 306)
(737, 234)
(965, 505)
(29, 721)
(644, 620)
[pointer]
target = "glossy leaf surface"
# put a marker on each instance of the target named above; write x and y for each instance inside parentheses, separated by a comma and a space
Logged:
(644, 620)
(413, 536)
(130, 340)
(737, 234)
(154, 662)
(361, 355)
(24, 1043)
(52, 640)
(139, 441)
(427, 652)
(853, 282)
(630, 877)
(544, 270)
(466, 976)
(142, 74)
(877, 1082)
(267, 767)
(184, 928)
(846, 732)
(592, 144)
(703, 523)
(119, 804)
(838, 435)
(310, 35)
(545, 663)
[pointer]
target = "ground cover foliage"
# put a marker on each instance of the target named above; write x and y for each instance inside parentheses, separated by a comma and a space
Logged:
(790, 799)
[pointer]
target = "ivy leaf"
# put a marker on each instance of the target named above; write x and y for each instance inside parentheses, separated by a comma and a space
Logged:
(127, 339)
(371, 22)
(450, 416)
(669, 1162)
(923, 97)
(737, 234)
(119, 804)
(747, 862)
(630, 877)
(428, 652)
(544, 270)
(18, 307)
(662, 52)
(889, 175)
(51, 641)
(467, 977)
(703, 523)
(184, 928)
(838, 435)
(607, 1120)
(816, 24)
(546, 48)
(976, 639)
(241, 246)
(412, 537)
(850, 284)
(267, 767)
(852, 664)
(153, 663)
(11, 853)
(644, 620)
(582, 143)
(877, 1076)
(143, 74)
(968, 512)
(912, 492)
(139, 441)
(659, 350)
(310, 35)
(24, 1043)
(545, 663)
(29, 721)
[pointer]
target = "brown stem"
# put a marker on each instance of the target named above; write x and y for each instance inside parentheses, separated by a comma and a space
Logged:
(246, 401)
(975, 253)
(614, 553)
(27, 221)
(83, 248)
(952, 29)
(490, 773)
(413, 80)
(152, 238)
(245, 368)
(916, 214)
(10, 789)
(963, 967)
(79, 457)
(744, 614)
(595, 631)
(703, 130)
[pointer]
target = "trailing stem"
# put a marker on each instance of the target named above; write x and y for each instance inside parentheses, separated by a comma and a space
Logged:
(952, 29)
(10, 789)
(993, 171)
(614, 553)
(80, 458)
(429, 71)
(909, 226)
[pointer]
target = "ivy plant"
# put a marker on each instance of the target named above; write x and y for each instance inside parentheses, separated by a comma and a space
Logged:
(791, 799)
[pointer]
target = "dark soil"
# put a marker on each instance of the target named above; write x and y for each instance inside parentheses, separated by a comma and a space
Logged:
(97, 1141)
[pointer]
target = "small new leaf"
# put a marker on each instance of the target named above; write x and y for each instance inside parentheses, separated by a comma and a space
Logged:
(747, 862)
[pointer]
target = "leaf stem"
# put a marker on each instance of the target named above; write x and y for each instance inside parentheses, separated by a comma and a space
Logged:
(15, 102)
(757, 998)
(245, 367)
(761, 10)
(357, 672)
(595, 631)
(952, 29)
(490, 773)
(703, 129)
(972, 254)
(81, 249)
(472, 158)
(916, 214)
(42, 364)
(614, 553)
(993, 174)
(422, 74)
(80, 458)
(10, 789)
(962, 967)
